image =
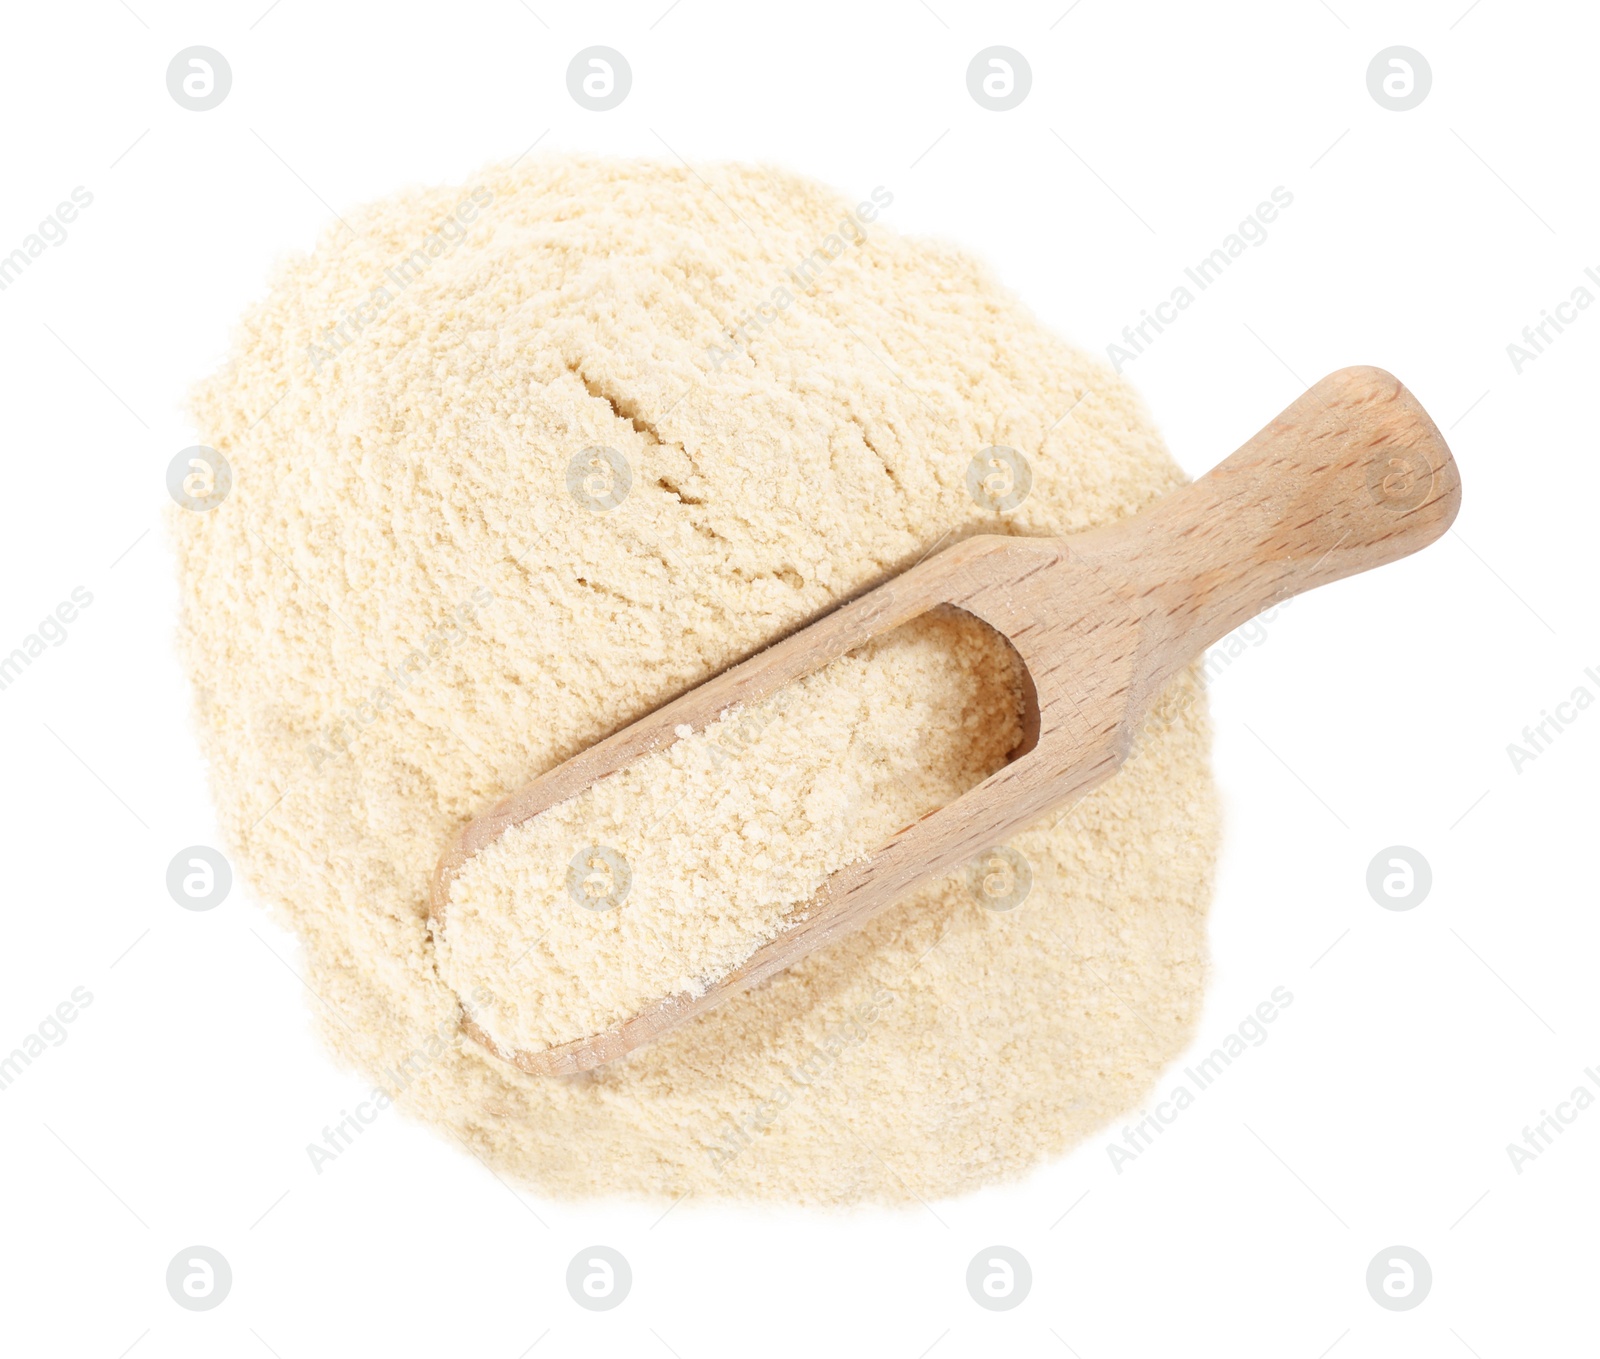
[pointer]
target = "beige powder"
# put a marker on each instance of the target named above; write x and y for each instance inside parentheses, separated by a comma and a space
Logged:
(404, 611)
(664, 877)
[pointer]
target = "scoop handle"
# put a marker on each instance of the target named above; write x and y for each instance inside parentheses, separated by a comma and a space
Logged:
(1353, 474)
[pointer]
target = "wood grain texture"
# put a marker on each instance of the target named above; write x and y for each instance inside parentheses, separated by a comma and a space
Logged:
(1352, 475)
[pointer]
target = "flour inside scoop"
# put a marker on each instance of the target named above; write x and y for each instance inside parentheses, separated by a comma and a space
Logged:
(661, 879)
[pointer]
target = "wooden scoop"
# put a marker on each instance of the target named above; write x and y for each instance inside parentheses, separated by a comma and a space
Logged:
(1352, 475)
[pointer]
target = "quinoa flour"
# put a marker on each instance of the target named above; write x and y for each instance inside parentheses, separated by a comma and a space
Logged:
(515, 463)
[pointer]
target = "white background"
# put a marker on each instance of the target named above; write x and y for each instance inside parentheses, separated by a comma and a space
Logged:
(1377, 712)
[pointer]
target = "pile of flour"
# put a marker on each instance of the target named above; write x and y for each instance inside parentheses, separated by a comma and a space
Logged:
(516, 462)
